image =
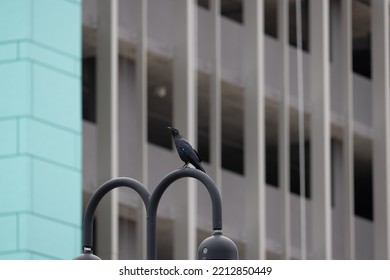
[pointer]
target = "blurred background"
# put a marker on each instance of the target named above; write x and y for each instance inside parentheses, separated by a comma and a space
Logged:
(286, 101)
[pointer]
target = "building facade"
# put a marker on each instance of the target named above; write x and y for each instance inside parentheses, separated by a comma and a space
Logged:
(285, 100)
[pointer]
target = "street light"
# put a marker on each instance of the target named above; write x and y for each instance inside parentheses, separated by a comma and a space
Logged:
(215, 247)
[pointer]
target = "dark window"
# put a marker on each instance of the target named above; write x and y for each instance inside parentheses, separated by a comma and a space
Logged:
(232, 103)
(231, 9)
(160, 100)
(363, 189)
(361, 57)
(271, 18)
(204, 4)
(361, 44)
(294, 170)
(203, 87)
(89, 89)
(305, 24)
(271, 165)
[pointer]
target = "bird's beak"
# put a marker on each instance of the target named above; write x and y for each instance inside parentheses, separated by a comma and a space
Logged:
(170, 128)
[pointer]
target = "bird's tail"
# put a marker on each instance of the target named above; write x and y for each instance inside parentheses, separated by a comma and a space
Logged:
(199, 166)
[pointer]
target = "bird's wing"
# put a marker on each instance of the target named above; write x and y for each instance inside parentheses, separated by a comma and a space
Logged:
(190, 147)
(199, 158)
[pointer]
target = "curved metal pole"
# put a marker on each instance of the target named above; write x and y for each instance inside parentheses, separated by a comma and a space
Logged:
(97, 197)
(159, 191)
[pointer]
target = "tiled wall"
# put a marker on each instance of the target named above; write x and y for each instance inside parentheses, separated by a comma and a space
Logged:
(40, 129)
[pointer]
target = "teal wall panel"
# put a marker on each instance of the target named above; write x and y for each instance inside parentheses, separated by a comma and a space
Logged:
(77, 68)
(78, 2)
(18, 255)
(46, 56)
(40, 129)
(58, 24)
(56, 192)
(40, 257)
(15, 184)
(15, 20)
(78, 147)
(8, 52)
(15, 88)
(8, 226)
(9, 137)
(60, 105)
(49, 142)
(48, 237)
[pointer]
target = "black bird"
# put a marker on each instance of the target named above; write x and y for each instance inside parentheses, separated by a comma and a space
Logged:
(185, 150)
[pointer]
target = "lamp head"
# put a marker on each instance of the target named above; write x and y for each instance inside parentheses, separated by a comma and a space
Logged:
(88, 255)
(217, 247)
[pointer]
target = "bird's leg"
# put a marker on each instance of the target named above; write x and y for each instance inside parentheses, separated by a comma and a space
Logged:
(185, 165)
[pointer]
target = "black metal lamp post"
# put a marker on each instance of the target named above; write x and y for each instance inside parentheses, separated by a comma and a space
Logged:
(215, 247)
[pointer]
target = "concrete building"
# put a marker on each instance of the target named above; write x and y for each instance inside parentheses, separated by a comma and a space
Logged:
(285, 100)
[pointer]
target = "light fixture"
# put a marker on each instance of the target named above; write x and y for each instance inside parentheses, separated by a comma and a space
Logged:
(87, 255)
(217, 247)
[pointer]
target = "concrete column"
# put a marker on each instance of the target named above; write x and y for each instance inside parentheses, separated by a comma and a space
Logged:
(320, 131)
(301, 132)
(141, 126)
(348, 159)
(254, 122)
(184, 118)
(215, 94)
(284, 125)
(381, 132)
(107, 126)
